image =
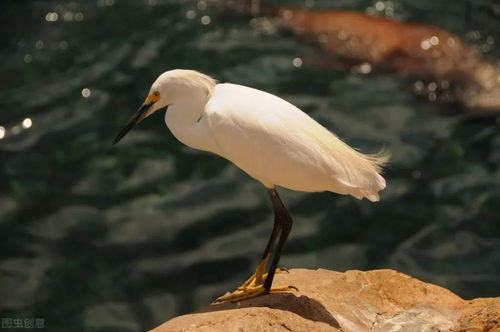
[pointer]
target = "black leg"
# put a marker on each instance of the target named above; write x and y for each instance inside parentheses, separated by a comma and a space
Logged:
(253, 286)
(274, 234)
(284, 222)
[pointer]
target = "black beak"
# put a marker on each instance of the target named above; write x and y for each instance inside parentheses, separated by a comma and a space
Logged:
(138, 116)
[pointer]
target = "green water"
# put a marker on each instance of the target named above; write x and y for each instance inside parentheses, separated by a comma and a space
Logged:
(120, 238)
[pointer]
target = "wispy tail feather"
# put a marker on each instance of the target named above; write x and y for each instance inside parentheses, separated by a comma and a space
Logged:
(379, 159)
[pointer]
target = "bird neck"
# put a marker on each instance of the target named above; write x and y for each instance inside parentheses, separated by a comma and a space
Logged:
(183, 118)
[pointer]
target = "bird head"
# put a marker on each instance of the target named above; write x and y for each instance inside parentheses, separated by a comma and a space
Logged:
(168, 88)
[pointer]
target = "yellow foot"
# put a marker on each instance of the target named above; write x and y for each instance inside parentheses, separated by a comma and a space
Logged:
(250, 292)
(253, 279)
(253, 286)
(259, 276)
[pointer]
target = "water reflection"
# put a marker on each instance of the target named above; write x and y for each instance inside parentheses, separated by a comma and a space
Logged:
(51, 17)
(86, 92)
(27, 123)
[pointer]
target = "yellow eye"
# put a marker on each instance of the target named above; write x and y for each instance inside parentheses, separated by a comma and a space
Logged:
(152, 98)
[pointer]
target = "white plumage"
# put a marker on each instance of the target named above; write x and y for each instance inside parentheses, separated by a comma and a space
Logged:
(278, 144)
(267, 137)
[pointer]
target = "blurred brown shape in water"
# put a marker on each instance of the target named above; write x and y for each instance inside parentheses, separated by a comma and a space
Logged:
(446, 68)
(412, 49)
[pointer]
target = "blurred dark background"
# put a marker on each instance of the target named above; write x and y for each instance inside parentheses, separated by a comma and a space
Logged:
(120, 238)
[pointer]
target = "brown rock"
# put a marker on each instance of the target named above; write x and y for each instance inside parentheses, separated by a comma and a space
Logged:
(354, 301)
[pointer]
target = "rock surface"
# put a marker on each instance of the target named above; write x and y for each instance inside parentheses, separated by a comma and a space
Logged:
(354, 301)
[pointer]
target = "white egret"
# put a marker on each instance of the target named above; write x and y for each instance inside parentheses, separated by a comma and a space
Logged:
(270, 139)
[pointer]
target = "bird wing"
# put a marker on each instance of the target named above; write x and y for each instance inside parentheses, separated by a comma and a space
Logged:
(276, 143)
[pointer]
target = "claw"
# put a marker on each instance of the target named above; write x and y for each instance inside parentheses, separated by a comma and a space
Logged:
(254, 286)
(259, 276)
(243, 294)
(251, 292)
